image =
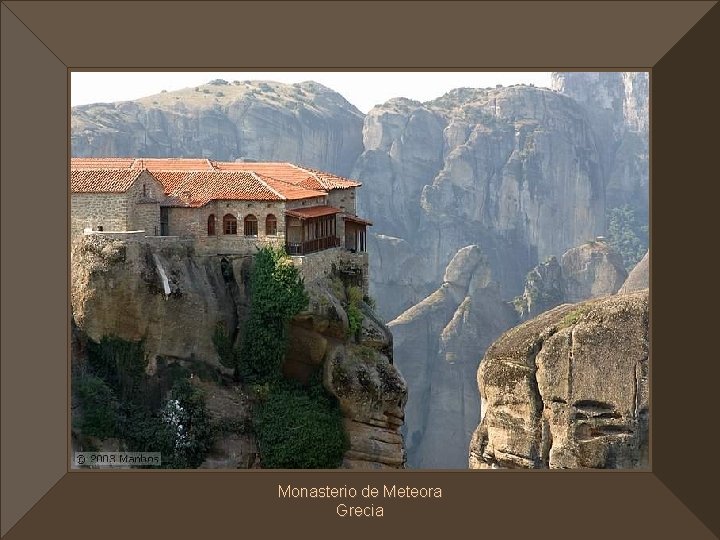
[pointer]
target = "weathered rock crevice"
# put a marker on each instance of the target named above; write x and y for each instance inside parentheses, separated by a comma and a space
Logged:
(568, 389)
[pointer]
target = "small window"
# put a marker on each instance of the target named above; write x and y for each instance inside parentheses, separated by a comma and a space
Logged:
(270, 225)
(100, 228)
(211, 225)
(229, 224)
(250, 225)
(144, 190)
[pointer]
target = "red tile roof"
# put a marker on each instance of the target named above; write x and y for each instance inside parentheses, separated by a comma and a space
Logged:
(356, 219)
(195, 182)
(200, 187)
(313, 212)
(102, 180)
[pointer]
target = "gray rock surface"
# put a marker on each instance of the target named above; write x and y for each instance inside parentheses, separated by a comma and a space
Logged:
(639, 277)
(436, 350)
(590, 270)
(617, 105)
(568, 389)
(304, 123)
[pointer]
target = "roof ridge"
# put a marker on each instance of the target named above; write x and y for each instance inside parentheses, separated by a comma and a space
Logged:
(264, 183)
(312, 173)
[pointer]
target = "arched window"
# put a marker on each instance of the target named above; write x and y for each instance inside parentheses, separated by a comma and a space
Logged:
(229, 224)
(270, 225)
(211, 225)
(251, 228)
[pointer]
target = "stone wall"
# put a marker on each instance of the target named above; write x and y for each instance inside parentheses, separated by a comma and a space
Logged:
(194, 221)
(135, 210)
(145, 197)
(344, 199)
(318, 265)
(93, 210)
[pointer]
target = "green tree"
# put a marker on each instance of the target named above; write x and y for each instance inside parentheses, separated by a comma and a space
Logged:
(278, 293)
(627, 234)
(300, 428)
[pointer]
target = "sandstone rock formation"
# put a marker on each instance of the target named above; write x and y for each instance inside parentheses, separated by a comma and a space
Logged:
(436, 349)
(590, 270)
(544, 289)
(639, 277)
(304, 123)
(568, 389)
(358, 370)
(118, 290)
(587, 271)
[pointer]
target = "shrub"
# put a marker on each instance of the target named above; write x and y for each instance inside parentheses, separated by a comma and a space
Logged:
(355, 319)
(223, 346)
(627, 234)
(188, 433)
(99, 407)
(277, 293)
(121, 364)
(300, 428)
(355, 315)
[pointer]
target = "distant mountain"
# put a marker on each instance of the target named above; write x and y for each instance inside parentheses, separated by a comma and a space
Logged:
(304, 123)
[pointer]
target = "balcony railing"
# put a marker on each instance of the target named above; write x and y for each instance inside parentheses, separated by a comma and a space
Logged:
(311, 246)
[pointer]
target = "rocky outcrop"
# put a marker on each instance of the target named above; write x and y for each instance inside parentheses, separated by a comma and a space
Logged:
(436, 350)
(358, 370)
(118, 289)
(544, 289)
(230, 410)
(587, 271)
(174, 300)
(639, 277)
(568, 389)
(304, 123)
(591, 270)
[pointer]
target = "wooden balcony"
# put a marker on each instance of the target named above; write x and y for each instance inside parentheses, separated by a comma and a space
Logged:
(311, 246)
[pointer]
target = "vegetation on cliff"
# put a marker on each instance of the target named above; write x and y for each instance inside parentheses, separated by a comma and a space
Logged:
(296, 426)
(119, 399)
(628, 234)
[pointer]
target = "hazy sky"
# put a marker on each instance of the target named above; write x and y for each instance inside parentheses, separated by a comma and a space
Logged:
(362, 89)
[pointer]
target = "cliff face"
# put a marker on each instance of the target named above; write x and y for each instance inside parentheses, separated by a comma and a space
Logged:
(587, 271)
(118, 289)
(304, 123)
(639, 277)
(617, 105)
(436, 344)
(174, 301)
(515, 170)
(568, 389)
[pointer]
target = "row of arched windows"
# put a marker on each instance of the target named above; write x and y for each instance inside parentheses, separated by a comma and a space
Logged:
(250, 225)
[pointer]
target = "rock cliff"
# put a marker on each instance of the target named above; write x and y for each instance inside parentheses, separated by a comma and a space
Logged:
(618, 107)
(568, 389)
(304, 123)
(587, 271)
(516, 170)
(436, 346)
(639, 277)
(174, 300)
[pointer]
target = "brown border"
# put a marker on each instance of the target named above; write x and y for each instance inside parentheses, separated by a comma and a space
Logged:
(40, 40)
